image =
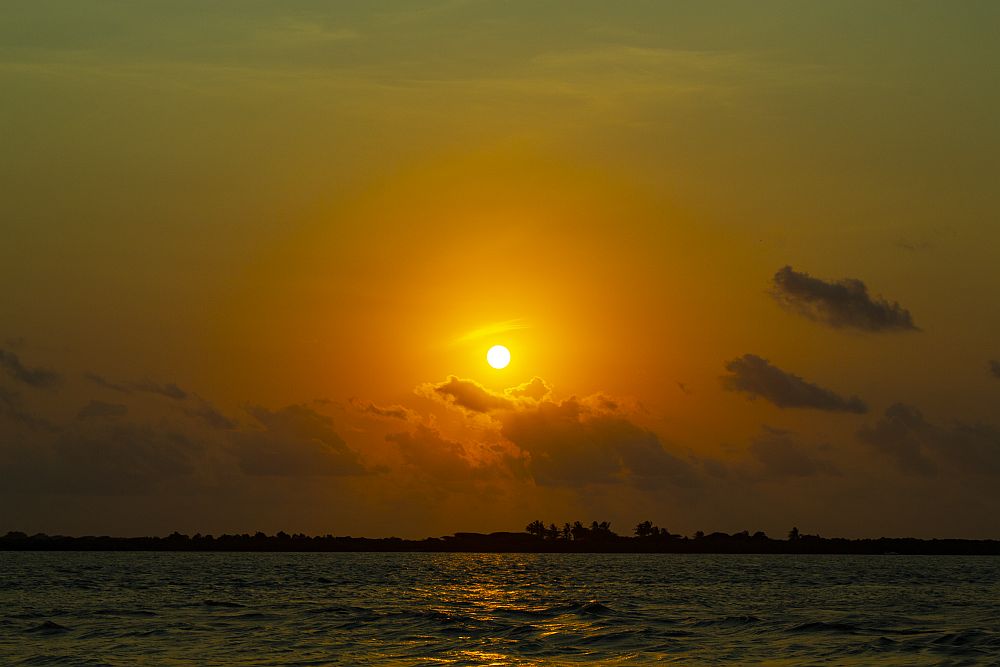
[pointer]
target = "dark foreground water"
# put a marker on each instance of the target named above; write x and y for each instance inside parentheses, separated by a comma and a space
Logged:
(485, 609)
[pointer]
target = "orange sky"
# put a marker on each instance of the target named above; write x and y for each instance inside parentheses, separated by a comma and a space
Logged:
(246, 250)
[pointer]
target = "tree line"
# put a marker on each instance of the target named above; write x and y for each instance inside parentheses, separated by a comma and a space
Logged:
(601, 530)
(597, 537)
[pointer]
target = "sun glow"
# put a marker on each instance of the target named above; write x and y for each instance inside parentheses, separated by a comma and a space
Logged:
(498, 356)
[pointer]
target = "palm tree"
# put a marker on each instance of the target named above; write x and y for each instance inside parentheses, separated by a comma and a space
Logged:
(644, 529)
(536, 528)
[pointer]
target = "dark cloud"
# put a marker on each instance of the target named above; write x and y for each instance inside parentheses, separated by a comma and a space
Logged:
(102, 409)
(11, 409)
(130, 458)
(920, 447)
(995, 368)
(429, 452)
(107, 384)
(294, 440)
(780, 455)
(576, 442)
(210, 415)
(757, 377)
(35, 377)
(117, 458)
(169, 389)
(8, 399)
(466, 394)
(902, 434)
(841, 304)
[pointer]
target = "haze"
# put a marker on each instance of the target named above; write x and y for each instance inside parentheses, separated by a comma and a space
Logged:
(744, 258)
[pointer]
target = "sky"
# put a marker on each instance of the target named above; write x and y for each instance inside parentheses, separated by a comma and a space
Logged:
(743, 256)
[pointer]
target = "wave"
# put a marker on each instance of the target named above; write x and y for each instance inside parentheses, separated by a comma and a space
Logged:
(222, 603)
(967, 638)
(824, 626)
(726, 621)
(49, 628)
(139, 613)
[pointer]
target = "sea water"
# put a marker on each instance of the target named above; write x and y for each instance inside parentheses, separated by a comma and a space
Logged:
(94, 608)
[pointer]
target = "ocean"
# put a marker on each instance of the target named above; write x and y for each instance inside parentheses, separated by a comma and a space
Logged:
(164, 608)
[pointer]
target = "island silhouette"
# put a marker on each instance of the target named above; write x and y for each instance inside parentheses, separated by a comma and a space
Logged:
(537, 537)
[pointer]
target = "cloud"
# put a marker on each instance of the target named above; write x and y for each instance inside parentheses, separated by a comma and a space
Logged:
(471, 396)
(107, 384)
(105, 458)
(757, 377)
(169, 389)
(427, 450)
(493, 329)
(209, 415)
(102, 409)
(901, 435)
(570, 442)
(41, 378)
(201, 409)
(385, 412)
(536, 389)
(920, 447)
(10, 408)
(780, 455)
(294, 440)
(128, 458)
(576, 442)
(466, 394)
(995, 368)
(841, 304)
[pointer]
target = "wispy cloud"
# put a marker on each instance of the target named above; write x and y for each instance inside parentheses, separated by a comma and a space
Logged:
(489, 330)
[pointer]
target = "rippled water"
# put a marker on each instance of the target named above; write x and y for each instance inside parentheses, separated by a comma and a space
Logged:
(487, 609)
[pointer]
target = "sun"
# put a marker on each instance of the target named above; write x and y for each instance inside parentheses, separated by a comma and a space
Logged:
(498, 356)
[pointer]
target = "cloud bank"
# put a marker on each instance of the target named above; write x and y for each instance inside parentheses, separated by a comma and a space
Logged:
(780, 455)
(581, 441)
(923, 448)
(292, 441)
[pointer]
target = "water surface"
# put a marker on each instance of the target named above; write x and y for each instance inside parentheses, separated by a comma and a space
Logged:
(87, 608)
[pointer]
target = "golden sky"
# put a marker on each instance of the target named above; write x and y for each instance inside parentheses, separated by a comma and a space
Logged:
(743, 255)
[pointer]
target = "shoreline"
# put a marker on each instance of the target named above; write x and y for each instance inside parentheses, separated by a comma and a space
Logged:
(511, 543)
